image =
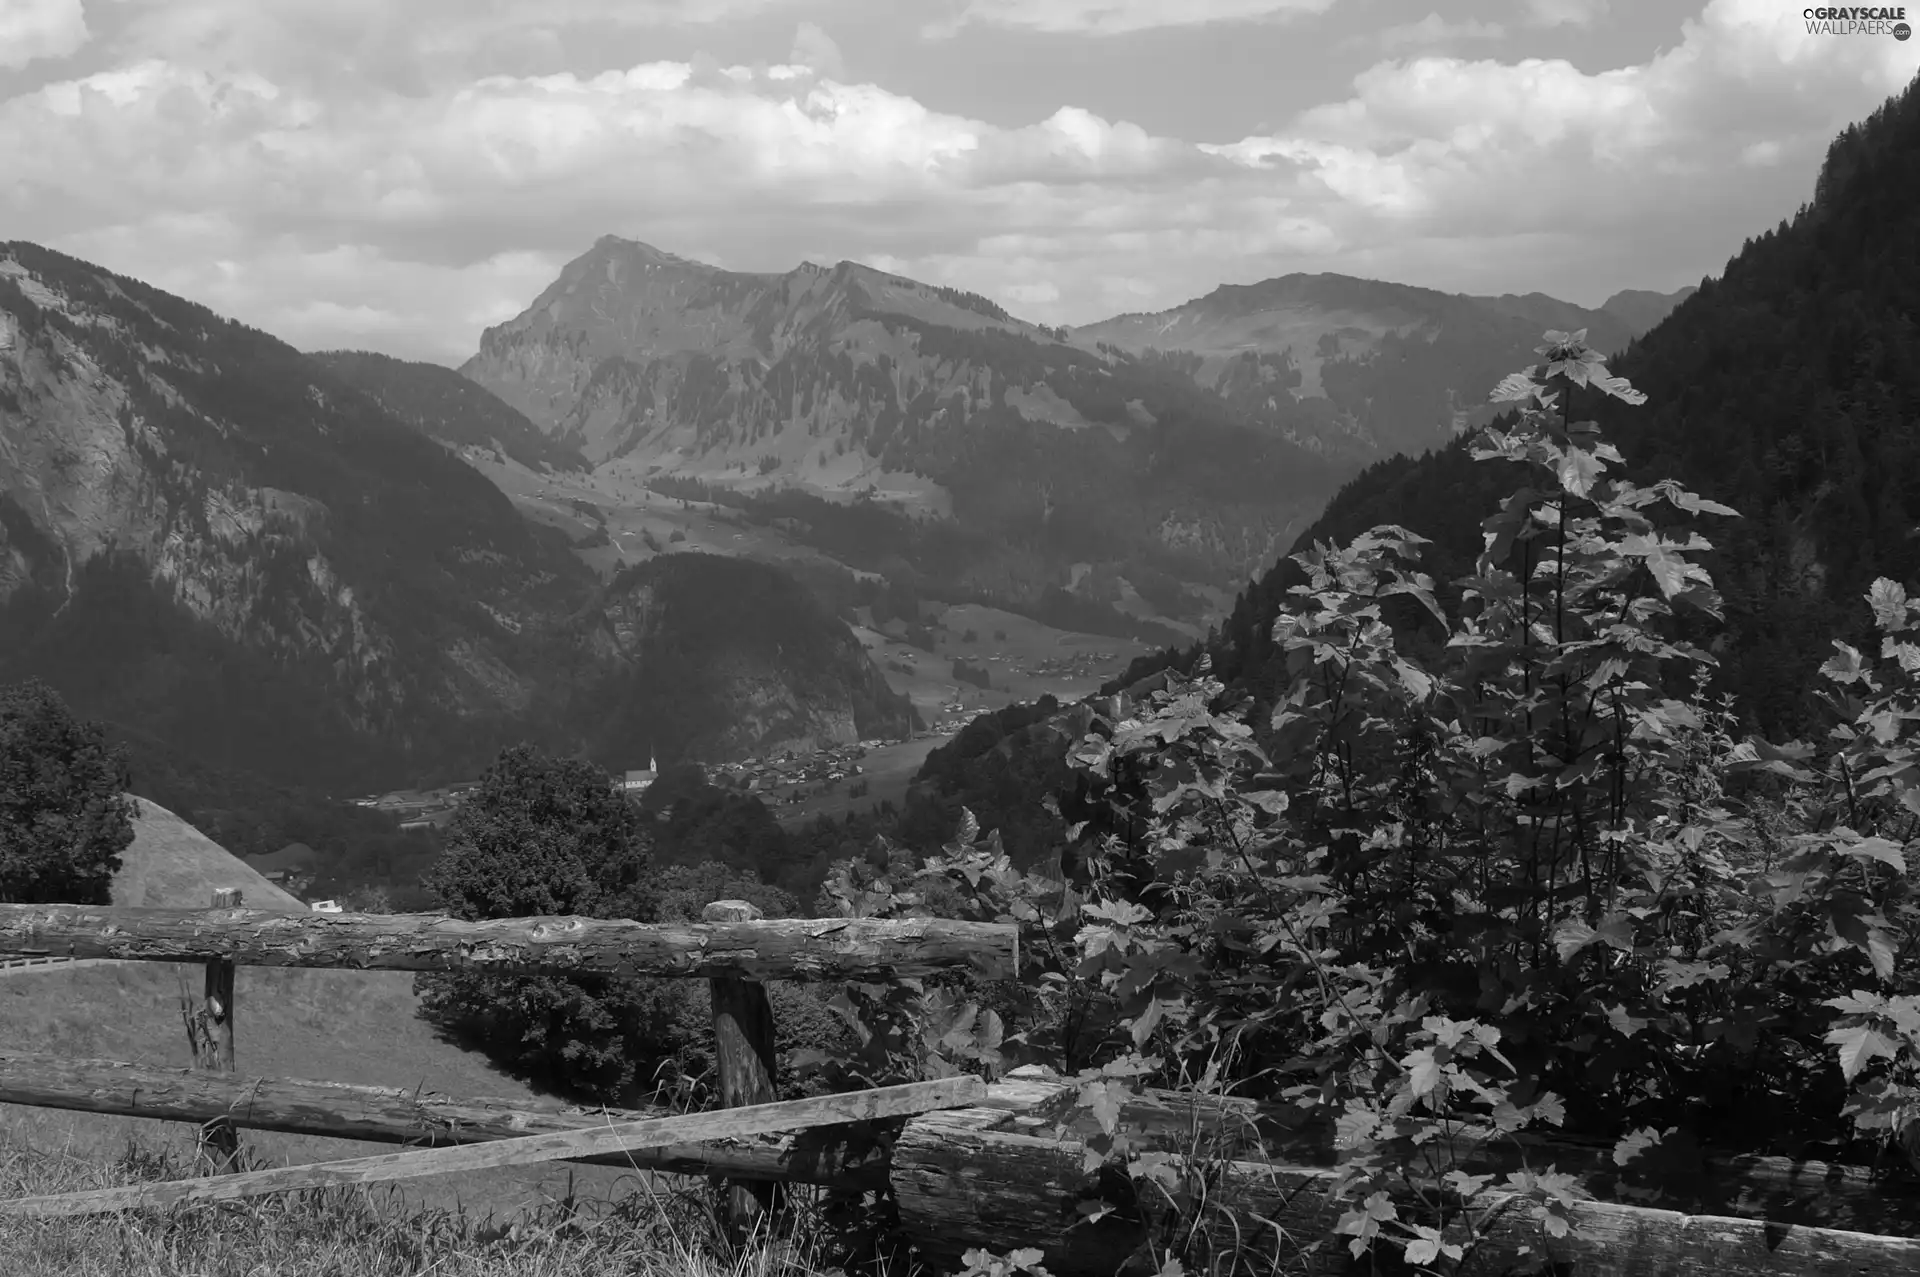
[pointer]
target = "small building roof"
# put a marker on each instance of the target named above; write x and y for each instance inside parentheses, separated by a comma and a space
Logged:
(292, 857)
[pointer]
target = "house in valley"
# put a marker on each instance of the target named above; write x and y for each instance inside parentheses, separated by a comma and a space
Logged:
(292, 868)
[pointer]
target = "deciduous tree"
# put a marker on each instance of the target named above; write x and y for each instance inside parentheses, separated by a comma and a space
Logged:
(64, 814)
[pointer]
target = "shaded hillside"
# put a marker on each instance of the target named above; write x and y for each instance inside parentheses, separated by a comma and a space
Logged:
(1640, 309)
(1376, 368)
(712, 656)
(210, 541)
(1788, 389)
(846, 380)
(443, 405)
(209, 536)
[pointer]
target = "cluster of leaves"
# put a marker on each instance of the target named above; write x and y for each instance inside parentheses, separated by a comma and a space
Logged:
(908, 1029)
(1479, 870)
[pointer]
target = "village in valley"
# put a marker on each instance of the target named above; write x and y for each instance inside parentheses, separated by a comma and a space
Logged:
(795, 780)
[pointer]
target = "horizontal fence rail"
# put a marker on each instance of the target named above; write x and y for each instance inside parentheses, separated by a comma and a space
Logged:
(524, 1150)
(1005, 1175)
(838, 1156)
(872, 949)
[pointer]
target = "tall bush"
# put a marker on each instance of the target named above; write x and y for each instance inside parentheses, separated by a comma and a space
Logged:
(1495, 869)
(542, 836)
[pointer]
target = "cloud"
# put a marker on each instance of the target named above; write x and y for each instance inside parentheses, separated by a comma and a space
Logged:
(815, 50)
(33, 29)
(350, 212)
(1569, 13)
(1449, 146)
(1120, 17)
(1431, 30)
(414, 47)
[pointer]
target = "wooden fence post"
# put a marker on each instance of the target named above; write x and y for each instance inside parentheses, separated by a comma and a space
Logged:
(210, 1032)
(743, 1055)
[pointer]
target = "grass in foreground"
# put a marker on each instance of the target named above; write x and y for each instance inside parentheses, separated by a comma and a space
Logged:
(361, 1232)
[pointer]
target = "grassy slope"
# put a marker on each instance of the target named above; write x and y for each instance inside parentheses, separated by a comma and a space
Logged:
(173, 865)
(337, 1026)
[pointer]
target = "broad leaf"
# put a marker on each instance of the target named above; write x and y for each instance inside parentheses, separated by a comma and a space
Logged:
(1859, 1045)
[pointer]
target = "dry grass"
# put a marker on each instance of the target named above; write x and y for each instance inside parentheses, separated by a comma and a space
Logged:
(361, 1232)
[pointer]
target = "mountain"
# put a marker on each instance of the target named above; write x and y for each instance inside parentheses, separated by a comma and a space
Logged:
(210, 540)
(1788, 389)
(1034, 454)
(719, 655)
(443, 405)
(1640, 310)
(1383, 368)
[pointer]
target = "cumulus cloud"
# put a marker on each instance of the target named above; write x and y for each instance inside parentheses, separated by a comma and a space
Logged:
(1456, 149)
(406, 219)
(1120, 17)
(33, 29)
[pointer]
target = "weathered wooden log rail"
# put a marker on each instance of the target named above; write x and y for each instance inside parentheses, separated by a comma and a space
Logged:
(1001, 1175)
(762, 949)
(404, 1115)
(999, 1167)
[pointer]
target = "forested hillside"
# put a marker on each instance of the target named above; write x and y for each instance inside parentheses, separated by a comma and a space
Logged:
(443, 405)
(1789, 389)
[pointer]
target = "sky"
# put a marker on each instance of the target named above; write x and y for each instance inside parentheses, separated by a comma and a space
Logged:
(396, 175)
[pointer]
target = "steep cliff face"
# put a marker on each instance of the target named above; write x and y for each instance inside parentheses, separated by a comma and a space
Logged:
(279, 509)
(209, 538)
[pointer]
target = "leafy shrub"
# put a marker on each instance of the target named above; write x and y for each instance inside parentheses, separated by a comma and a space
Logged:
(1480, 871)
(543, 836)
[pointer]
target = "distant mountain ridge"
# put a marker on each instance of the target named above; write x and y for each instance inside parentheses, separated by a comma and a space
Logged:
(216, 542)
(1386, 368)
(443, 405)
(1193, 444)
(847, 381)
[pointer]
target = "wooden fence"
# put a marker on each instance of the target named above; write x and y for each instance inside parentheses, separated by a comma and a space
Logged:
(1000, 1166)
